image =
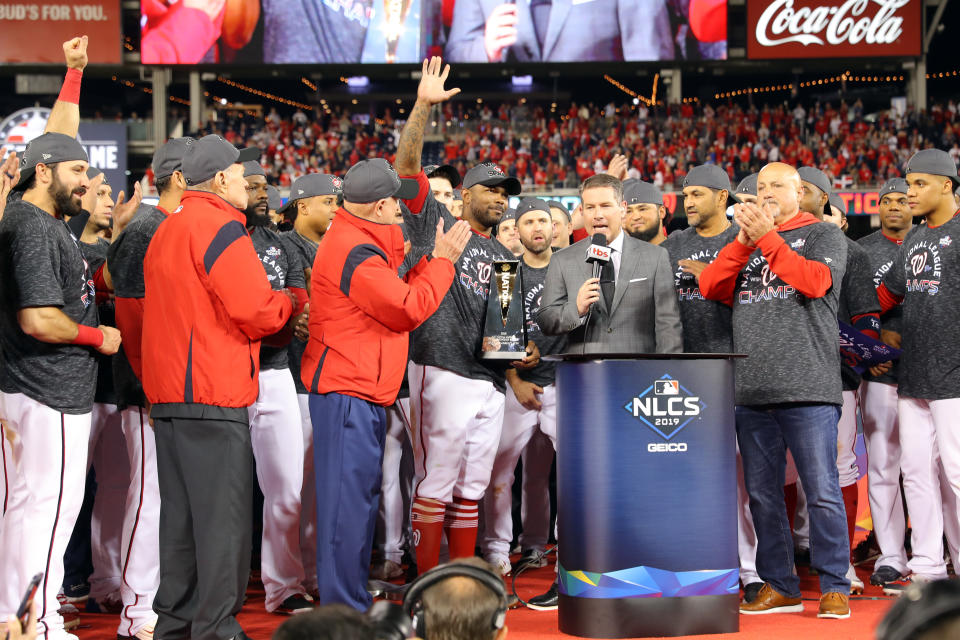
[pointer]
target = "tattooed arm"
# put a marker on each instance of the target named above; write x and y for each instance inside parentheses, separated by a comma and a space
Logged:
(429, 93)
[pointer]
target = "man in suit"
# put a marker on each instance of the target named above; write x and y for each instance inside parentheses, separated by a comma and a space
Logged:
(553, 30)
(632, 307)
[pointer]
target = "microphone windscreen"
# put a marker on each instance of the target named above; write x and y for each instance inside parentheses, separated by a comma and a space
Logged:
(599, 239)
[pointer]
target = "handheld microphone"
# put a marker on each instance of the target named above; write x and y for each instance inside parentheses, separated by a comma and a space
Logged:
(598, 253)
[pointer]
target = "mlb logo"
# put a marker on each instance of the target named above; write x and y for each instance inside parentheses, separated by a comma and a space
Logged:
(666, 387)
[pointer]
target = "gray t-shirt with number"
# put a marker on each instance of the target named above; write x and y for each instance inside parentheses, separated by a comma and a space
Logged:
(882, 252)
(284, 269)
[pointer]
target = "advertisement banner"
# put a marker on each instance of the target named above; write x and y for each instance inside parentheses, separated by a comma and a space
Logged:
(833, 28)
(104, 142)
(33, 31)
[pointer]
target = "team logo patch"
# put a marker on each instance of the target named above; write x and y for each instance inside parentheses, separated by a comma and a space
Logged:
(337, 183)
(666, 407)
(798, 243)
(946, 241)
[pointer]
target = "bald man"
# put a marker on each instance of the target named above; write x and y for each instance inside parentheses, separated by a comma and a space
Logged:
(781, 276)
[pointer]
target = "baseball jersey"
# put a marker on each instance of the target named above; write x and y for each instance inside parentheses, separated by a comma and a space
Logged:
(791, 341)
(125, 256)
(545, 373)
(42, 266)
(306, 251)
(284, 269)
(96, 254)
(858, 296)
(316, 32)
(706, 323)
(925, 274)
(882, 252)
(451, 337)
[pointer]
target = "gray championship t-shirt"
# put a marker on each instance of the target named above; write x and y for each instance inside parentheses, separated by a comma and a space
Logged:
(706, 323)
(927, 275)
(42, 266)
(283, 269)
(306, 250)
(792, 341)
(544, 373)
(451, 337)
(125, 258)
(881, 252)
(857, 297)
(96, 254)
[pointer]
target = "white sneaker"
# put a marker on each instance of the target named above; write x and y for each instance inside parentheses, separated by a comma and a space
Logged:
(501, 563)
(856, 584)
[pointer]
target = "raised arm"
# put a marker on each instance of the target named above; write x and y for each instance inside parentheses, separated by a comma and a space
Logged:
(65, 115)
(429, 92)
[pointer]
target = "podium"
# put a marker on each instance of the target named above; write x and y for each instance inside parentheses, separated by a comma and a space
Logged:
(647, 495)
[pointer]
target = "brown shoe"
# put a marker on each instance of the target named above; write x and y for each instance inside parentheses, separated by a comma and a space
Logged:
(834, 605)
(770, 601)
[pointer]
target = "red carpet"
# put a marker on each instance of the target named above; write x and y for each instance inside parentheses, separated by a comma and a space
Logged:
(529, 625)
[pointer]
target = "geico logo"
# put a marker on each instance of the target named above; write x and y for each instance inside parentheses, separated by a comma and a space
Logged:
(653, 406)
(666, 447)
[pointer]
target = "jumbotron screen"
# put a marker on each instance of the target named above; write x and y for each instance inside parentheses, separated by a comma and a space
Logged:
(406, 31)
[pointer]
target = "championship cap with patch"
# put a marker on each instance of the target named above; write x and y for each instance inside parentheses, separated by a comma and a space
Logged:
(893, 185)
(934, 162)
(712, 177)
(313, 184)
(815, 177)
(169, 157)
(253, 168)
(490, 175)
(274, 201)
(211, 154)
(748, 185)
(48, 149)
(374, 179)
(526, 205)
(639, 192)
(443, 171)
(509, 214)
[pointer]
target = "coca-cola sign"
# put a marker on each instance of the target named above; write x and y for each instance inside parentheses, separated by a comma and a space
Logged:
(833, 28)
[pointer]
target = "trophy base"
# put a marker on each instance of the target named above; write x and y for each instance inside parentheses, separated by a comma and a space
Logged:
(503, 355)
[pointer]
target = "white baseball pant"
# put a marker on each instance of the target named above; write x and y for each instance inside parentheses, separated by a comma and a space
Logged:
(746, 534)
(519, 425)
(928, 432)
(140, 547)
(277, 439)
(308, 500)
(395, 498)
(878, 408)
(108, 457)
(537, 460)
(847, 439)
(48, 450)
(456, 425)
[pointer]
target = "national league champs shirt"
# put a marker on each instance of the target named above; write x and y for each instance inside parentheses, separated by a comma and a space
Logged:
(450, 339)
(858, 300)
(306, 250)
(791, 340)
(926, 275)
(706, 323)
(881, 253)
(533, 280)
(283, 269)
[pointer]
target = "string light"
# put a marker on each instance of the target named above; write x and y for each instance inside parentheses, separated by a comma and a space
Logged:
(630, 92)
(307, 82)
(944, 74)
(263, 94)
(846, 76)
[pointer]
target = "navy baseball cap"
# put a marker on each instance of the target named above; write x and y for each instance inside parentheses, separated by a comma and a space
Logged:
(443, 171)
(49, 148)
(638, 192)
(253, 168)
(526, 205)
(509, 214)
(748, 185)
(815, 177)
(313, 184)
(374, 179)
(934, 162)
(893, 185)
(169, 157)
(211, 154)
(274, 201)
(490, 175)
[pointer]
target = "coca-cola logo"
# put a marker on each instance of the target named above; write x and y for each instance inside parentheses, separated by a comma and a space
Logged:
(804, 28)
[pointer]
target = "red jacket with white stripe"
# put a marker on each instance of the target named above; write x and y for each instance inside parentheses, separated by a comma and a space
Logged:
(362, 312)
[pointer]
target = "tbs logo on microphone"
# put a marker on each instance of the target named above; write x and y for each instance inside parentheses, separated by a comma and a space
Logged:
(666, 407)
(596, 252)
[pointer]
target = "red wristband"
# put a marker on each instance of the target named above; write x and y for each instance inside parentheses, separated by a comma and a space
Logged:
(88, 336)
(70, 91)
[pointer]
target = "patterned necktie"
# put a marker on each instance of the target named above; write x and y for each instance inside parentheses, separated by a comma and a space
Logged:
(608, 283)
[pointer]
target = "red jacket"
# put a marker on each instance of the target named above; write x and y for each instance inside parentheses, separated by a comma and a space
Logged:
(360, 333)
(207, 305)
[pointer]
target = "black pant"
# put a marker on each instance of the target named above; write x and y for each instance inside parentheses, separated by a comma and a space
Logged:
(205, 470)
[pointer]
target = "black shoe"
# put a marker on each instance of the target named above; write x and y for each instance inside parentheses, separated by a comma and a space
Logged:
(294, 605)
(751, 591)
(548, 601)
(531, 559)
(883, 576)
(866, 551)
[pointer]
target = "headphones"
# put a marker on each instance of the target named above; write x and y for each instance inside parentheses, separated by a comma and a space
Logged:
(413, 604)
(921, 607)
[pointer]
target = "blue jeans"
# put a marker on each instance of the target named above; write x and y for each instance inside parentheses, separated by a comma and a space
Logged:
(348, 439)
(810, 432)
